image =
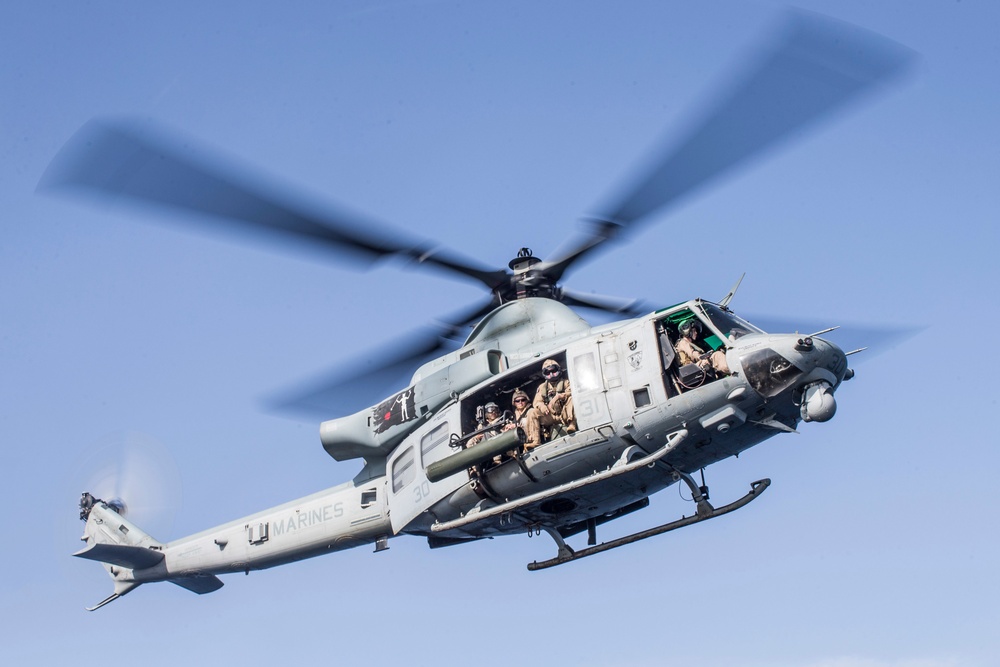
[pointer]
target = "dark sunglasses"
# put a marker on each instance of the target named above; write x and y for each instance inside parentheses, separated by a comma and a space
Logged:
(551, 372)
(520, 400)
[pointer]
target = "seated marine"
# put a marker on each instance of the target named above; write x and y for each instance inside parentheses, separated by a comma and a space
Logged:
(554, 398)
(688, 352)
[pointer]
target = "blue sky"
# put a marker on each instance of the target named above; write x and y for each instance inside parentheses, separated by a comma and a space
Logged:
(491, 126)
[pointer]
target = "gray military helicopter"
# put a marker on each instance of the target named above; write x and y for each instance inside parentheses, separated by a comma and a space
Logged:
(646, 417)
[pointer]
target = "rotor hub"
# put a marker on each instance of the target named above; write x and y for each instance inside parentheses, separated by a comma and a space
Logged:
(524, 261)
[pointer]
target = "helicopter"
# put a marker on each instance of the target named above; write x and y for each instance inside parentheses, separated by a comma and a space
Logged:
(645, 402)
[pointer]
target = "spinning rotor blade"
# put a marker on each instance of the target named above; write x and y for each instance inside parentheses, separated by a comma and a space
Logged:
(814, 66)
(876, 339)
(611, 304)
(351, 388)
(145, 164)
(599, 232)
(451, 326)
(136, 470)
(346, 390)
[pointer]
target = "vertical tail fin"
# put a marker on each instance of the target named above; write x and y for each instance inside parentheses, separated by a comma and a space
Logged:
(117, 543)
(124, 550)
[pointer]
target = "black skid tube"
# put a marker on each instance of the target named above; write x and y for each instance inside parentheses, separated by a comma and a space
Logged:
(567, 555)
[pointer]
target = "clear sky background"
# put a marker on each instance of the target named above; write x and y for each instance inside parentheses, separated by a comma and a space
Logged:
(491, 126)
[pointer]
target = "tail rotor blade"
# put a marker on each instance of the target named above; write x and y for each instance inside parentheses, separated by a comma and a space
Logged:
(136, 470)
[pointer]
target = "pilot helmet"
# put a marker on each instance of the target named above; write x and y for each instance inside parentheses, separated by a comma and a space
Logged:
(688, 325)
(491, 407)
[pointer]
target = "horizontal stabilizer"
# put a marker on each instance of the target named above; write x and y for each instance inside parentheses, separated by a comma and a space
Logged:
(135, 558)
(200, 584)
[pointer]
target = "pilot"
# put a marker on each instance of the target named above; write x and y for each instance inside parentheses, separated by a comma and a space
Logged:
(688, 351)
(492, 418)
(526, 418)
(554, 398)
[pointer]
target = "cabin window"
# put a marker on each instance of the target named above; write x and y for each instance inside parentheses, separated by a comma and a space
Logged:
(403, 471)
(641, 397)
(369, 497)
(585, 374)
(433, 439)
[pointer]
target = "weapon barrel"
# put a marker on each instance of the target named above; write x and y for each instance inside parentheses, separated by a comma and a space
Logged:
(482, 451)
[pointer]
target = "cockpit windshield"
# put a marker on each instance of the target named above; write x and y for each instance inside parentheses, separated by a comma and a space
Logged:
(728, 323)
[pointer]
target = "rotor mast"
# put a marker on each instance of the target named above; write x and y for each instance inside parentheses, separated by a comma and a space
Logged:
(527, 281)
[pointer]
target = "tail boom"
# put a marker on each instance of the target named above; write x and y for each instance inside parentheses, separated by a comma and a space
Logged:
(338, 518)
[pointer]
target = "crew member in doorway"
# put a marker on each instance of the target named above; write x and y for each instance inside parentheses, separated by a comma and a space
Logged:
(526, 418)
(554, 400)
(492, 422)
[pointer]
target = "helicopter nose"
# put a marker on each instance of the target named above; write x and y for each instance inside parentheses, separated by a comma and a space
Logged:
(816, 355)
(824, 366)
(810, 367)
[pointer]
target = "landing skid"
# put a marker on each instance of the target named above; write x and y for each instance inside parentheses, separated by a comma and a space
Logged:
(111, 598)
(705, 511)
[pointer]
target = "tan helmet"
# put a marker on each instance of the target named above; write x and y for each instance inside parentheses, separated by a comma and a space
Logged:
(519, 394)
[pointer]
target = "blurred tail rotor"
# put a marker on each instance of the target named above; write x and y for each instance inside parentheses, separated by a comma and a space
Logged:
(135, 474)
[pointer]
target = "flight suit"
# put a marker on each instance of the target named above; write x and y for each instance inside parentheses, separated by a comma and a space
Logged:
(527, 419)
(552, 409)
(689, 353)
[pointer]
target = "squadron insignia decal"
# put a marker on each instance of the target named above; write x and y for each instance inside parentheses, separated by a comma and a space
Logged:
(635, 360)
(394, 411)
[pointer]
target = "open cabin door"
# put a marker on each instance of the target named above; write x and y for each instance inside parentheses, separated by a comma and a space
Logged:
(410, 492)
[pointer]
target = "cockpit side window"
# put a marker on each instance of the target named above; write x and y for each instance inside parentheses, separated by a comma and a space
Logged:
(693, 360)
(727, 322)
(671, 324)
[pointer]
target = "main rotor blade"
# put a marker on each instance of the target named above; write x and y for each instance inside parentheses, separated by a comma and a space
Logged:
(813, 67)
(452, 325)
(611, 304)
(145, 164)
(598, 233)
(877, 339)
(347, 389)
